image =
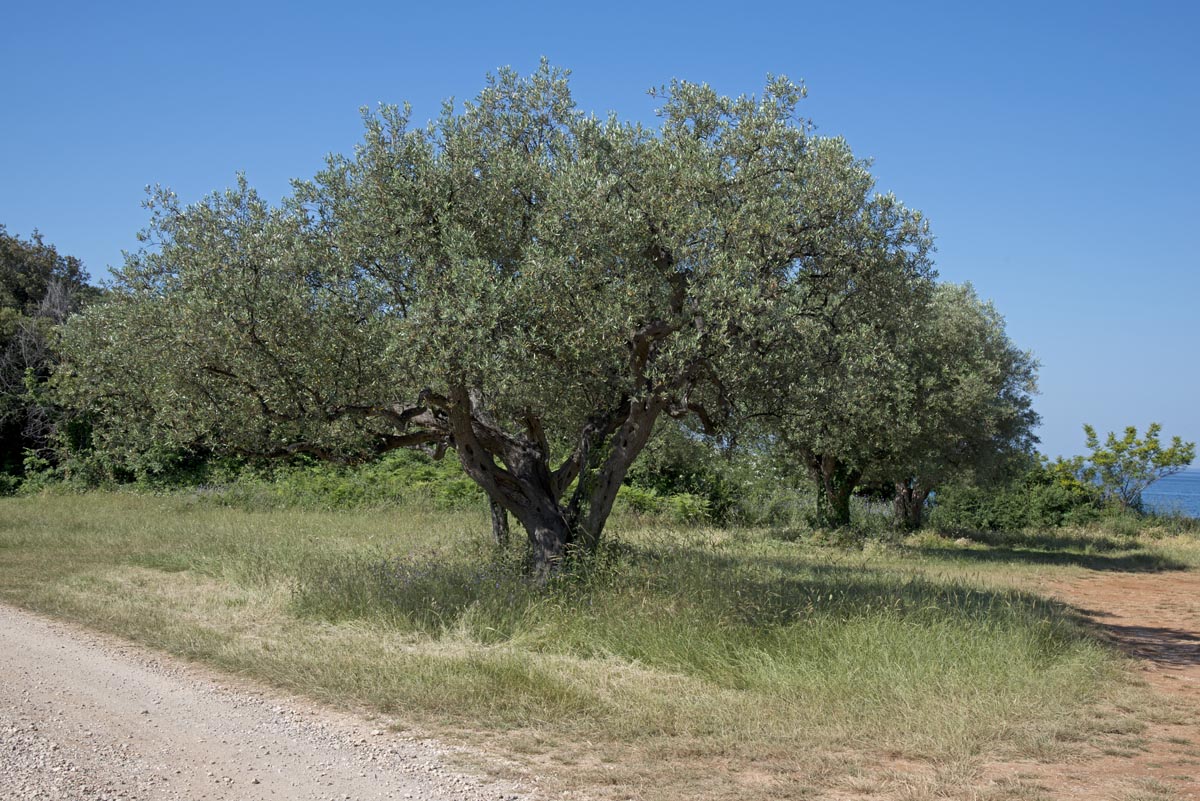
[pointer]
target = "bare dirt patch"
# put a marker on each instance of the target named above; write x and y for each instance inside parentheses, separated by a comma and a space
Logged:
(1155, 619)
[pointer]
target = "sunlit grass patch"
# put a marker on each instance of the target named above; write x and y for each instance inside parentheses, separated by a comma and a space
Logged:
(689, 644)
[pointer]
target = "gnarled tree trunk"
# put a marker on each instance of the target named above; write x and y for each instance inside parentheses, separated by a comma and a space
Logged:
(909, 504)
(516, 474)
(499, 523)
(596, 492)
(836, 481)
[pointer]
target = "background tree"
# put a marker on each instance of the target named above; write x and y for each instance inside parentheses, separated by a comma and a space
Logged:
(39, 288)
(834, 403)
(916, 383)
(1124, 467)
(525, 284)
(966, 406)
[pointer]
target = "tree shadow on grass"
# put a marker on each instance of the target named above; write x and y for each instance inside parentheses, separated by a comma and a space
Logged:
(1130, 562)
(848, 590)
(768, 590)
(1162, 645)
(1054, 541)
(754, 594)
(1100, 552)
(1165, 646)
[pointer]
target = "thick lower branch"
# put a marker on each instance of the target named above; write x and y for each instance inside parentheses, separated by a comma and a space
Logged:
(595, 433)
(596, 492)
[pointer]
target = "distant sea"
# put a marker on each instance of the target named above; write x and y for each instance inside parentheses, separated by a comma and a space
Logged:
(1178, 493)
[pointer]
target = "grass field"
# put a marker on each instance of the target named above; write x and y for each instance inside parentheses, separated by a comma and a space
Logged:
(686, 663)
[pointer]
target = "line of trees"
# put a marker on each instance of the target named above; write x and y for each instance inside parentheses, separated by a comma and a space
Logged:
(39, 289)
(534, 289)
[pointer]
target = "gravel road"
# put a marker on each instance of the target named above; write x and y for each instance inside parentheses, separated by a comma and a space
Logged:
(84, 716)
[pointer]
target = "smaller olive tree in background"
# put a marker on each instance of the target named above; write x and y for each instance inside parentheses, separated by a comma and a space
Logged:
(966, 407)
(918, 389)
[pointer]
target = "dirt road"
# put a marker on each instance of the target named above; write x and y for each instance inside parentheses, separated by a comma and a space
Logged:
(84, 716)
(1155, 619)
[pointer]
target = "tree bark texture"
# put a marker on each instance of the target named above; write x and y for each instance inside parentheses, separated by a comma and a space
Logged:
(516, 474)
(909, 504)
(499, 524)
(835, 485)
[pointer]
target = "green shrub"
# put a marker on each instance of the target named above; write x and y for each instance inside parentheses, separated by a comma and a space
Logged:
(398, 478)
(689, 509)
(639, 501)
(1049, 495)
(733, 483)
(966, 507)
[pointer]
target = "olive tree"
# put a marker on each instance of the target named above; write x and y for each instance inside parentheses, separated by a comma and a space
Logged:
(967, 404)
(526, 285)
(839, 382)
(917, 385)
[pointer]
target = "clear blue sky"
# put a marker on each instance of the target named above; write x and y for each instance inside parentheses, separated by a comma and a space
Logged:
(1052, 144)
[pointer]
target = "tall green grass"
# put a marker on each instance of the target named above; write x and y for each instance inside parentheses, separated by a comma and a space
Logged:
(720, 641)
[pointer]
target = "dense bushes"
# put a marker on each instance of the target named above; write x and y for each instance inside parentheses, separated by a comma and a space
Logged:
(687, 478)
(401, 477)
(683, 479)
(39, 289)
(676, 462)
(1048, 495)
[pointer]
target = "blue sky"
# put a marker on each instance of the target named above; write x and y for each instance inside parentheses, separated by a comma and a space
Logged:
(1053, 145)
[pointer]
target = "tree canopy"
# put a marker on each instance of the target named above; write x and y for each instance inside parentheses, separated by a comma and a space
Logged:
(39, 288)
(525, 284)
(914, 385)
(968, 410)
(1124, 467)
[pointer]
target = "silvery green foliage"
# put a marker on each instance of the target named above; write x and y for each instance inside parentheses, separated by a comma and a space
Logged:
(970, 407)
(521, 282)
(917, 385)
